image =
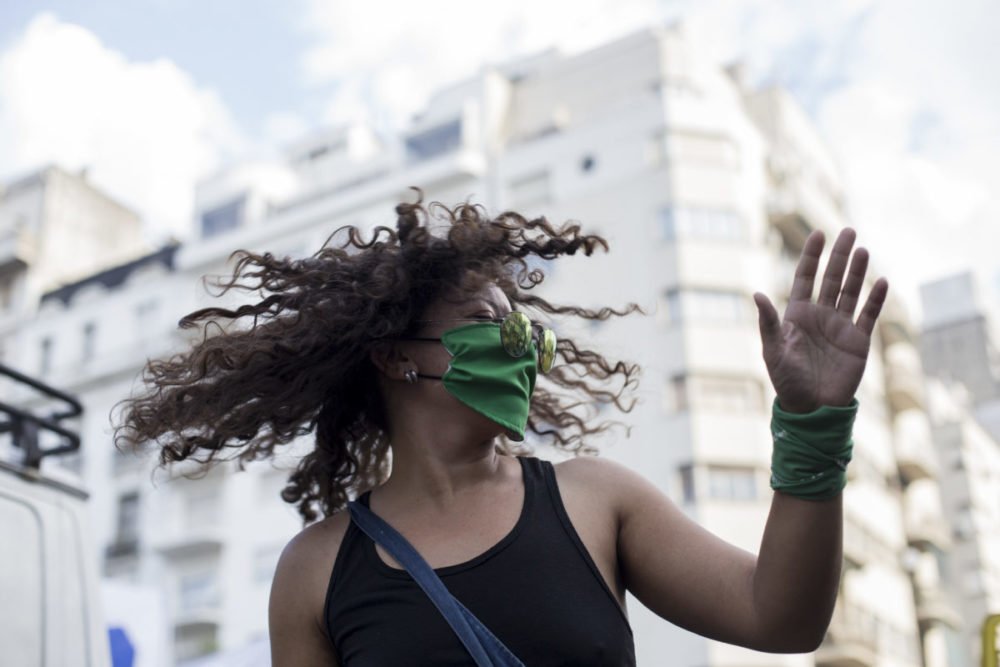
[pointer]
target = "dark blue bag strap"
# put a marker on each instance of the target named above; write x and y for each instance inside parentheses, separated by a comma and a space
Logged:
(483, 646)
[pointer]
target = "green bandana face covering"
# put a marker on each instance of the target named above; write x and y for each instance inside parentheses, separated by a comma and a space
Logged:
(487, 379)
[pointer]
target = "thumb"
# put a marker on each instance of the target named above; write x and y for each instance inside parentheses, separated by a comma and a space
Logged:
(770, 325)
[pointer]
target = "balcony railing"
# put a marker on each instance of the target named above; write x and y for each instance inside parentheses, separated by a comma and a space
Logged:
(189, 541)
(851, 640)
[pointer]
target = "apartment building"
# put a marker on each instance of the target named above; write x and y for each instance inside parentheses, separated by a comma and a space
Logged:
(705, 190)
(959, 349)
(56, 227)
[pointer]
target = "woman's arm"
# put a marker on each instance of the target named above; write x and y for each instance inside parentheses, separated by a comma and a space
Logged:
(781, 600)
(298, 595)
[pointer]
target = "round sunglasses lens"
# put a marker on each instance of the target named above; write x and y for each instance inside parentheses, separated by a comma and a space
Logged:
(547, 355)
(515, 334)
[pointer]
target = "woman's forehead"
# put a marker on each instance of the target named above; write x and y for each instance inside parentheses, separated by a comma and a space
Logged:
(488, 296)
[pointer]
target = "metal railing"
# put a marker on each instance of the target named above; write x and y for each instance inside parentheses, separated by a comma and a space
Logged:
(25, 428)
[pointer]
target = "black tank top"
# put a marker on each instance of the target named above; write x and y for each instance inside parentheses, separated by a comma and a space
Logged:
(537, 590)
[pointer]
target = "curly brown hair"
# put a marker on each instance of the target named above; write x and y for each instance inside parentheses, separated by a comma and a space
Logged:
(297, 361)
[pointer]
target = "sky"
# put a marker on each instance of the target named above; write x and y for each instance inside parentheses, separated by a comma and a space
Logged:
(151, 95)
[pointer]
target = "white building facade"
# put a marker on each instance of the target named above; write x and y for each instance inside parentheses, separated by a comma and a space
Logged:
(705, 191)
(959, 348)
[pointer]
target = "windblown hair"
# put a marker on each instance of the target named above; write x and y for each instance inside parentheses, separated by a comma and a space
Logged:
(297, 361)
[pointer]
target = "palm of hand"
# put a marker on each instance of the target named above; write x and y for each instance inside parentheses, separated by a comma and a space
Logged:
(816, 356)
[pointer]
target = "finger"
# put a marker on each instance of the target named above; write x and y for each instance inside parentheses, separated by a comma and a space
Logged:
(834, 274)
(805, 271)
(770, 324)
(873, 306)
(852, 286)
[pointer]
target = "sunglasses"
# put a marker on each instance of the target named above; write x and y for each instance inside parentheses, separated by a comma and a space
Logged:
(516, 334)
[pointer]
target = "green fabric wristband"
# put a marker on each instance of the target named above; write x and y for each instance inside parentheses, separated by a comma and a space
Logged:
(811, 450)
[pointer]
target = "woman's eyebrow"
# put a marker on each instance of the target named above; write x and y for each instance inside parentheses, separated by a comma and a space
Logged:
(493, 305)
(497, 308)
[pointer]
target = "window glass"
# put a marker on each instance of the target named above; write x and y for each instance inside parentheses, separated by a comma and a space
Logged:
(687, 483)
(707, 306)
(198, 590)
(435, 141)
(128, 517)
(692, 222)
(703, 150)
(727, 394)
(222, 218)
(732, 483)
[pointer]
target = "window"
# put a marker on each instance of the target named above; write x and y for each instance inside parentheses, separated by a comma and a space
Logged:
(676, 394)
(6, 292)
(45, 365)
(199, 590)
(690, 222)
(222, 218)
(435, 141)
(89, 339)
(128, 518)
(707, 306)
(687, 483)
(732, 483)
(727, 394)
(703, 149)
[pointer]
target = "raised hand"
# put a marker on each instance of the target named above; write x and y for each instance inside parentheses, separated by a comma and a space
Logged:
(816, 355)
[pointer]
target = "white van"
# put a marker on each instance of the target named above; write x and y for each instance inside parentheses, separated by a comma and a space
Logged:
(49, 599)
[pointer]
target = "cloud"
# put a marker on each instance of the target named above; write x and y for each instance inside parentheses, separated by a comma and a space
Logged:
(915, 130)
(144, 130)
(388, 68)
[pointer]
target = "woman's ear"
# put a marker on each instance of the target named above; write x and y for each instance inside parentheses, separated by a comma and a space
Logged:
(390, 361)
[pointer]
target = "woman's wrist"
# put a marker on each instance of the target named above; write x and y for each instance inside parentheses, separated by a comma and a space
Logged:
(811, 450)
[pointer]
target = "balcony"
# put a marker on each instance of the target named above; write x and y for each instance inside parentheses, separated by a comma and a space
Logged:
(195, 637)
(921, 534)
(857, 550)
(923, 519)
(914, 461)
(796, 207)
(915, 456)
(862, 546)
(851, 640)
(934, 608)
(904, 378)
(187, 541)
(17, 250)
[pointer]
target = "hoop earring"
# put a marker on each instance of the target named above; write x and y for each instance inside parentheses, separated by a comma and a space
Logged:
(411, 376)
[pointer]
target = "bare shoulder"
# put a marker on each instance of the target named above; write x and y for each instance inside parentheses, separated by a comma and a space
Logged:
(605, 480)
(298, 594)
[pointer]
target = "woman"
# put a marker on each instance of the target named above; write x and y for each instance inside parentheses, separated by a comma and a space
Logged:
(403, 348)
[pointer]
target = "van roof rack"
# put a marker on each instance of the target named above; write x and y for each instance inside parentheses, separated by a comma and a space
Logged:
(25, 427)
